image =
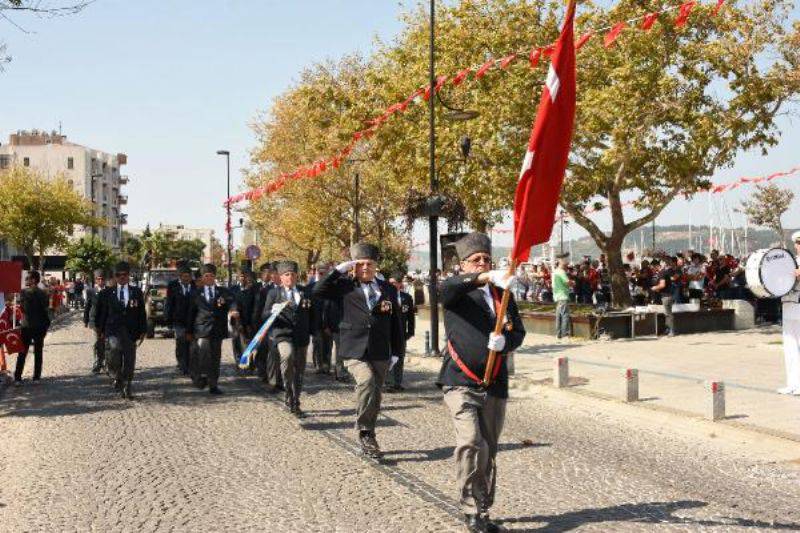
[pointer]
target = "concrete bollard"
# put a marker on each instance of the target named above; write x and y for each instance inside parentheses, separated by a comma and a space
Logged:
(631, 391)
(717, 400)
(561, 372)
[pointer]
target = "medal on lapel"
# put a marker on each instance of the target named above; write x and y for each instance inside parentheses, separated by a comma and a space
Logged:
(305, 303)
(404, 309)
(386, 306)
(132, 303)
(220, 302)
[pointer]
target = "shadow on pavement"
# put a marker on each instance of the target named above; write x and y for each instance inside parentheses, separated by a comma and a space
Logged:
(446, 452)
(643, 513)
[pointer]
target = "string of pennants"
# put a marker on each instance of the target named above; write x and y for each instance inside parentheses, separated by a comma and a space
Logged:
(712, 189)
(534, 56)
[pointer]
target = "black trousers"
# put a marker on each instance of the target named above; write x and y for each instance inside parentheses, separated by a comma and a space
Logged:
(322, 343)
(121, 354)
(182, 349)
(209, 350)
(99, 350)
(29, 336)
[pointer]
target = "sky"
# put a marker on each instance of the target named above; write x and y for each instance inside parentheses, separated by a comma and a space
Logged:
(170, 83)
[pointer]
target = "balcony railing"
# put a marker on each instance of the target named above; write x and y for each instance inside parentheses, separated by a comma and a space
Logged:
(123, 199)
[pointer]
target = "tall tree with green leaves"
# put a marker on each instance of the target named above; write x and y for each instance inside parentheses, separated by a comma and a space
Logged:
(766, 207)
(38, 214)
(86, 255)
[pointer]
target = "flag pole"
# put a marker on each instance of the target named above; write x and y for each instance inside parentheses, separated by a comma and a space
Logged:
(498, 326)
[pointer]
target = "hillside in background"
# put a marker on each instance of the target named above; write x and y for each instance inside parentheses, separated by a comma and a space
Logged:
(670, 239)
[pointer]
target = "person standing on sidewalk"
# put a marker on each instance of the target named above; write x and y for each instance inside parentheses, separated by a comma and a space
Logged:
(407, 315)
(35, 323)
(471, 302)
(561, 287)
(791, 329)
(89, 316)
(665, 286)
(208, 319)
(291, 331)
(122, 321)
(179, 296)
(370, 334)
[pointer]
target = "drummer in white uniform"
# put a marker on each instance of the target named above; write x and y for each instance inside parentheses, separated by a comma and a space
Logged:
(791, 330)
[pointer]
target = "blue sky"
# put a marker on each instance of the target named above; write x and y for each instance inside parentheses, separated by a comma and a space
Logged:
(170, 83)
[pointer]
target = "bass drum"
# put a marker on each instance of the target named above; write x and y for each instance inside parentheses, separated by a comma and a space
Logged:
(770, 272)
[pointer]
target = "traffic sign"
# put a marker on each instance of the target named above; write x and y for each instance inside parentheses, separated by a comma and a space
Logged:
(253, 252)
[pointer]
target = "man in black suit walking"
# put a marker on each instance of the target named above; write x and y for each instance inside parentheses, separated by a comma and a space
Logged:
(471, 302)
(35, 323)
(208, 317)
(179, 296)
(245, 302)
(370, 334)
(268, 364)
(89, 316)
(121, 320)
(291, 330)
(407, 314)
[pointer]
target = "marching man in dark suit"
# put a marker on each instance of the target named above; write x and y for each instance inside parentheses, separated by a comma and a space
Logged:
(268, 363)
(89, 316)
(471, 302)
(121, 320)
(291, 330)
(370, 335)
(208, 317)
(407, 314)
(179, 296)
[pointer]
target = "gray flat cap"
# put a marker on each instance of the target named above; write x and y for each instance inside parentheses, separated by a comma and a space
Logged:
(364, 250)
(473, 243)
(287, 266)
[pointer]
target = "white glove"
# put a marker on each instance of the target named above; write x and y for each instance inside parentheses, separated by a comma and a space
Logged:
(501, 278)
(379, 276)
(496, 342)
(346, 267)
(276, 308)
(393, 361)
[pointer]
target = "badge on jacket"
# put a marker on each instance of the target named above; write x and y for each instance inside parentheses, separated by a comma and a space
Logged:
(305, 303)
(133, 303)
(404, 309)
(220, 302)
(386, 306)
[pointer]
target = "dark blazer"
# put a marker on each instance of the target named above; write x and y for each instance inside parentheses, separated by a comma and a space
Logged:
(258, 305)
(468, 323)
(294, 323)
(90, 308)
(210, 319)
(363, 334)
(408, 314)
(35, 310)
(245, 303)
(332, 314)
(112, 318)
(176, 308)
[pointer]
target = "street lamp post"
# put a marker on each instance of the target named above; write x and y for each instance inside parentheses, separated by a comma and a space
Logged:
(433, 218)
(228, 228)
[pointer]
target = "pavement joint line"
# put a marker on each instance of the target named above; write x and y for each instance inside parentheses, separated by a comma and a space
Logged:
(414, 484)
(684, 377)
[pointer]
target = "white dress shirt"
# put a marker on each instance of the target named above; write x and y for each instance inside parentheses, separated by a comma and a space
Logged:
(209, 293)
(365, 287)
(123, 295)
(292, 294)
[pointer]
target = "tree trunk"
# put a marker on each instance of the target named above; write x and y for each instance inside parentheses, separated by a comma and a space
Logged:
(620, 292)
(481, 226)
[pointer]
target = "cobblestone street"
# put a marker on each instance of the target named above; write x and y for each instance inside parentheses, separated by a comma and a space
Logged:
(75, 457)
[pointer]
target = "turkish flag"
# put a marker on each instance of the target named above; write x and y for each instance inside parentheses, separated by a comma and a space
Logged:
(545, 161)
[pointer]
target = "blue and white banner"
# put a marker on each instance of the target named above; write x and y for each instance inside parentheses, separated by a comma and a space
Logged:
(250, 352)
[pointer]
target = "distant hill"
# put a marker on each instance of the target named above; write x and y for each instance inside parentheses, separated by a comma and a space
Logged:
(670, 239)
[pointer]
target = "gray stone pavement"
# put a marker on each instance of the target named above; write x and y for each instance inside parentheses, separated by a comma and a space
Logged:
(77, 458)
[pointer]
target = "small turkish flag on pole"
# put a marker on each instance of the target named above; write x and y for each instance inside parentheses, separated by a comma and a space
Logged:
(545, 161)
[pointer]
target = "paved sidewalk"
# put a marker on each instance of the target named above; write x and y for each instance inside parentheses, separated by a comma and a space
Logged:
(672, 372)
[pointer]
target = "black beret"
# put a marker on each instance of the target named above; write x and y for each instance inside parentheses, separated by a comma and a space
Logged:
(398, 275)
(473, 243)
(122, 266)
(266, 266)
(99, 273)
(287, 266)
(363, 250)
(209, 268)
(184, 269)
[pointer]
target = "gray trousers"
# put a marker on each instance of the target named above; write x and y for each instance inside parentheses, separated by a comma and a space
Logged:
(273, 365)
(99, 350)
(209, 352)
(121, 354)
(322, 345)
(562, 319)
(369, 377)
(182, 346)
(338, 364)
(478, 419)
(293, 368)
(669, 318)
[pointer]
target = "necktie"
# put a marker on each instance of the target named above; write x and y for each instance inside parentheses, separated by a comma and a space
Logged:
(185, 290)
(372, 295)
(121, 296)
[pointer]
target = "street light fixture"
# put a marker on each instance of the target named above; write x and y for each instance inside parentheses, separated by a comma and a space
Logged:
(228, 228)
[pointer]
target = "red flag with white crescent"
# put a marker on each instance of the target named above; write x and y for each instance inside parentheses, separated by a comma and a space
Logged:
(542, 174)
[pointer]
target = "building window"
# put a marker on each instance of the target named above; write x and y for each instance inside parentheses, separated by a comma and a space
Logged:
(26, 161)
(70, 163)
(5, 161)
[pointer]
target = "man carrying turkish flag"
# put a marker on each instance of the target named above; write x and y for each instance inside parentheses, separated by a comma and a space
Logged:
(545, 161)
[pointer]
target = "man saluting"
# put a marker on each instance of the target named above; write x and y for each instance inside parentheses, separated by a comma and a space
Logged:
(471, 302)
(370, 334)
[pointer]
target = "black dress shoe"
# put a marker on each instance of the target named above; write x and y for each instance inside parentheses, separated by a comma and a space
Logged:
(298, 413)
(215, 391)
(126, 392)
(96, 369)
(474, 523)
(488, 525)
(369, 445)
(117, 384)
